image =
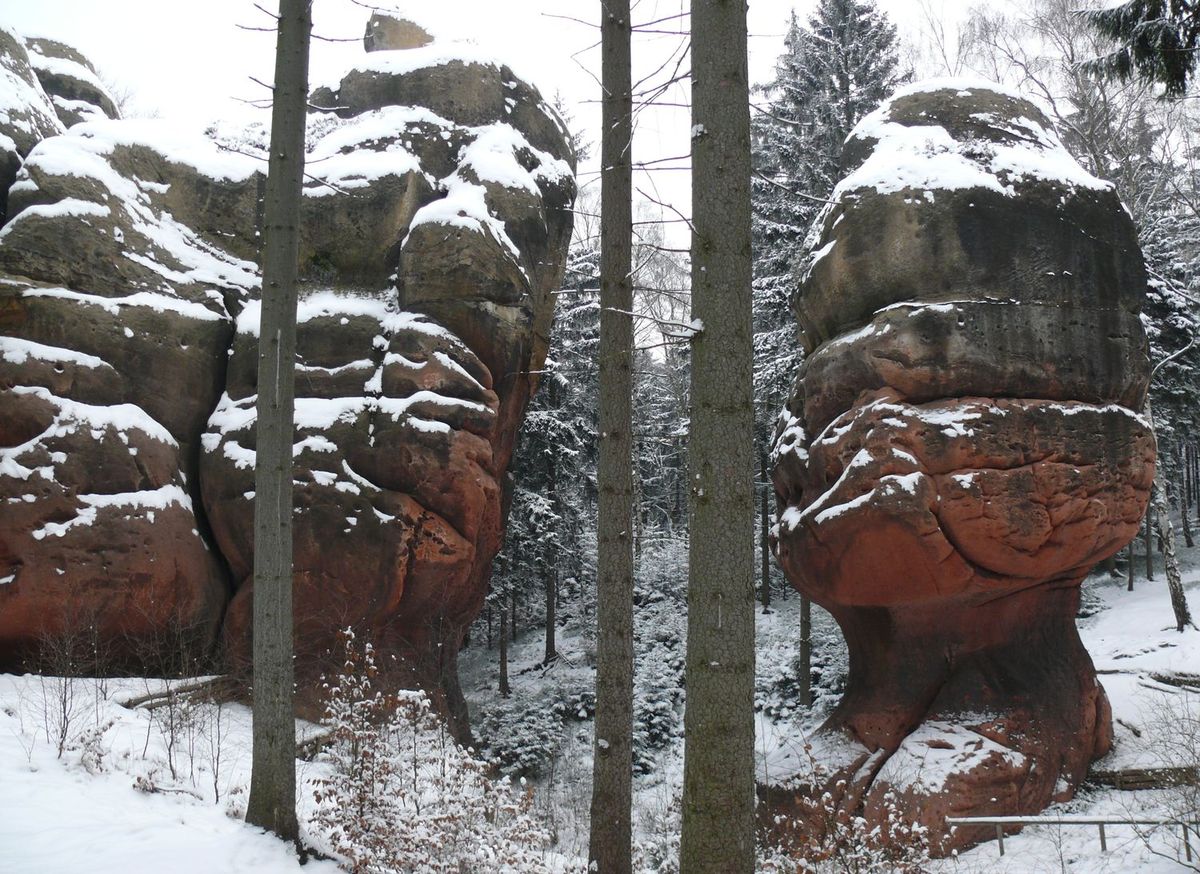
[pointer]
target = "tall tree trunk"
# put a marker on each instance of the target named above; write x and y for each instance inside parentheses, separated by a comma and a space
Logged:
(718, 772)
(1185, 497)
(551, 602)
(504, 689)
(764, 534)
(1194, 473)
(805, 651)
(1146, 540)
(1129, 564)
(512, 617)
(272, 801)
(1179, 604)
(611, 836)
(551, 574)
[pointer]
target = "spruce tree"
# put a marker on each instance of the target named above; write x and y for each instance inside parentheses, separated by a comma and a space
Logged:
(829, 76)
(1156, 40)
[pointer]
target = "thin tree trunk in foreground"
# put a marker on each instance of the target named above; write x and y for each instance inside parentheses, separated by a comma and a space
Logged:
(1185, 496)
(805, 651)
(1147, 540)
(718, 773)
(611, 836)
(272, 801)
(504, 688)
(1166, 532)
(764, 534)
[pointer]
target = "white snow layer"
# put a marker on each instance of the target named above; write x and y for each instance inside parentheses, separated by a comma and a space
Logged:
(21, 100)
(927, 157)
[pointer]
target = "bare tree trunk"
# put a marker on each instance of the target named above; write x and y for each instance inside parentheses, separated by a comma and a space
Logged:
(272, 801)
(504, 688)
(1146, 541)
(551, 581)
(551, 601)
(1179, 604)
(512, 618)
(718, 773)
(611, 836)
(1185, 498)
(1129, 564)
(764, 534)
(805, 651)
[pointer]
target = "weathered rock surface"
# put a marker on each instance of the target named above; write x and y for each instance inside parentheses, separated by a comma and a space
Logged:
(26, 114)
(961, 448)
(115, 320)
(128, 343)
(71, 82)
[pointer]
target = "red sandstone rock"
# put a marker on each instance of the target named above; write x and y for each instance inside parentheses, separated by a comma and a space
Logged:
(960, 450)
(432, 242)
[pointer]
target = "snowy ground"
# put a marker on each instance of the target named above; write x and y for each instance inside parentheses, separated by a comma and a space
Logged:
(1131, 636)
(113, 803)
(110, 802)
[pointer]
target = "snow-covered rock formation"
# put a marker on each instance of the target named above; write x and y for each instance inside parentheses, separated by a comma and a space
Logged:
(963, 445)
(436, 222)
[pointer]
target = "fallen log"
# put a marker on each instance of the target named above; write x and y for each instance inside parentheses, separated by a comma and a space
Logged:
(1145, 778)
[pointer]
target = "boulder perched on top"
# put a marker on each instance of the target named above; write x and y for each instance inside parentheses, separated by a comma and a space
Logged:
(963, 445)
(70, 80)
(431, 244)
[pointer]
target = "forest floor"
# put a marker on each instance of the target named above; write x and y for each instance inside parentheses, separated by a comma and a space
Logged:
(1130, 635)
(165, 788)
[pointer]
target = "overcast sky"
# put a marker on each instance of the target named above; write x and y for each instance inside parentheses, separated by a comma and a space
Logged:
(191, 61)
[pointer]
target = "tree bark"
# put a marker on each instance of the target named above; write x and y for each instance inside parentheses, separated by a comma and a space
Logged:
(1129, 564)
(1146, 541)
(551, 573)
(1185, 498)
(551, 601)
(611, 836)
(504, 688)
(805, 651)
(1179, 604)
(764, 540)
(718, 776)
(272, 801)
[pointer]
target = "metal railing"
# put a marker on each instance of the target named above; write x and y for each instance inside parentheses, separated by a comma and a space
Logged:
(1189, 828)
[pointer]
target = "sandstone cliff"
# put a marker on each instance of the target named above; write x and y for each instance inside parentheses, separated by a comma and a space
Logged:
(437, 216)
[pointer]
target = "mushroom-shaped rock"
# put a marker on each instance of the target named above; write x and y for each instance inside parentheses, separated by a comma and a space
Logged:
(962, 446)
